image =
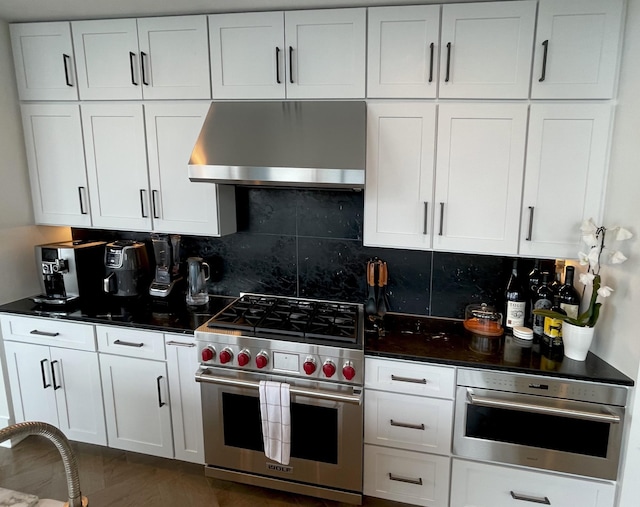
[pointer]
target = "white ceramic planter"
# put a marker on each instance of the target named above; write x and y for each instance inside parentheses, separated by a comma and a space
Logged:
(577, 341)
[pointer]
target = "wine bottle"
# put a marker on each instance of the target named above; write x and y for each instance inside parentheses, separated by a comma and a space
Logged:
(557, 277)
(515, 300)
(534, 282)
(542, 301)
(568, 295)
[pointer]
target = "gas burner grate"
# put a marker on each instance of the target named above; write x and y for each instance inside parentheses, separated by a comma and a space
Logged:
(245, 313)
(334, 321)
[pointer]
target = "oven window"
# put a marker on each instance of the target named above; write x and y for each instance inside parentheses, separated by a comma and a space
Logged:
(314, 430)
(538, 430)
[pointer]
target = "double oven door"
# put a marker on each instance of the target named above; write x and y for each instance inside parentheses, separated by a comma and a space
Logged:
(326, 429)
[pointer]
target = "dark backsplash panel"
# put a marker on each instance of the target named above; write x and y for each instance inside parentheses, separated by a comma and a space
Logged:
(308, 243)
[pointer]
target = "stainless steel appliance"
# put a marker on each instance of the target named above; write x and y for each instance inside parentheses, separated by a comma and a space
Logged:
(166, 250)
(69, 270)
(127, 268)
(317, 348)
(559, 424)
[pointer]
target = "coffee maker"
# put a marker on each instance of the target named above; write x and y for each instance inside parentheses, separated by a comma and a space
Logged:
(69, 271)
(166, 250)
(127, 268)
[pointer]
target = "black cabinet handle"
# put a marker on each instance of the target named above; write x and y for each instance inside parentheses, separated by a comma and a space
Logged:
(426, 209)
(431, 47)
(82, 210)
(131, 65)
(441, 218)
(526, 498)
(144, 74)
(44, 333)
(528, 238)
(278, 65)
(408, 480)
(544, 60)
(142, 203)
(446, 79)
(44, 380)
(65, 62)
(154, 203)
(128, 344)
(160, 402)
(291, 64)
(53, 376)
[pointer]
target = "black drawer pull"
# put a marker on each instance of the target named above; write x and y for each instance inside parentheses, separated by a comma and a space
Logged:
(526, 498)
(408, 480)
(160, 402)
(278, 65)
(544, 61)
(446, 79)
(128, 344)
(143, 55)
(408, 379)
(431, 46)
(53, 376)
(65, 62)
(291, 64)
(131, 65)
(44, 380)
(44, 333)
(406, 425)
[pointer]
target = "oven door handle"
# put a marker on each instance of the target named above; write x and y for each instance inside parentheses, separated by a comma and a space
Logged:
(484, 401)
(203, 375)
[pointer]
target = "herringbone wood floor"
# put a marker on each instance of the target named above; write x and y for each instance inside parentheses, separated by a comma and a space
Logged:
(110, 477)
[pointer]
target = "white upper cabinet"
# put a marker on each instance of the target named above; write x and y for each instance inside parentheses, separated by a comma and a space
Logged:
(151, 58)
(403, 47)
(295, 54)
(565, 176)
(179, 205)
(117, 166)
(479, 173)
(57, 171)
(398, 199)
(577, 49)
(486, 50)
(43, 59)
(247, 55)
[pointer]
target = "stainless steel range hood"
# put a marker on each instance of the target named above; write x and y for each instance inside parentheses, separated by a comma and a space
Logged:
(294, 144)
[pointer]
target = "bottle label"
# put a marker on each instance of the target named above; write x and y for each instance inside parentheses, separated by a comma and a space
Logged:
(538, 320)
(553, 328)
(515, 313)
(572, 310)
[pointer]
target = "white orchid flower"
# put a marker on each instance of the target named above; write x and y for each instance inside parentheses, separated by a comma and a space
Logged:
(590, 239)
(616, 257)
(594, 257)
(587, 279)
(623, 234)
(605, 291)
(588, 227)
(583, 259)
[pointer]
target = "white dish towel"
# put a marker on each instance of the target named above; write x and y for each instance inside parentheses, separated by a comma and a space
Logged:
(276, 420)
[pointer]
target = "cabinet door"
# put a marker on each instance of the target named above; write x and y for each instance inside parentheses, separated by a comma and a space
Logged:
(565, 175)
(107, 59)
(486, 50)
(402, 49)
(43, 59)
(479, 172)
(117, 166)
(247, 55)
(482, 485)
(78, 390)
(398, 206)
(137, 405)
(29, 371)
(326, 53)
(174, 57)
(57, 171)
(178, 204)
(577, 49)
(186, 407)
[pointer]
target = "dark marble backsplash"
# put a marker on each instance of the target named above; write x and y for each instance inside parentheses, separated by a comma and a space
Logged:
(308, 243)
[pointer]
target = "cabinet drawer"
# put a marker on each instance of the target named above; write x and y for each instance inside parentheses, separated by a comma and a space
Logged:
(130, 342)
(410, 378)
(403, 476)
(408, 422)
(482, 485)
(49, 332)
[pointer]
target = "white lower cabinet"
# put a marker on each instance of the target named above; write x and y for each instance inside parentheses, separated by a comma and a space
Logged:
(483, 485)
(184, 393)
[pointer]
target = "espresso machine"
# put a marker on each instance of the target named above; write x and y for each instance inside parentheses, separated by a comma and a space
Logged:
(127, 268)
(166, 250)
(69, 271)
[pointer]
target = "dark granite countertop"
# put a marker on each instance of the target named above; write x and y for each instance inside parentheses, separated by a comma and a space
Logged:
(446, 341)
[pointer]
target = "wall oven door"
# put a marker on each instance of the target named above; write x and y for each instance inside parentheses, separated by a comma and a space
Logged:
(538, 431)
(326, 430)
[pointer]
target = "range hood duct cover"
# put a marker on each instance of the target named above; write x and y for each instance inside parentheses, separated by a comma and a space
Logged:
(298, 144)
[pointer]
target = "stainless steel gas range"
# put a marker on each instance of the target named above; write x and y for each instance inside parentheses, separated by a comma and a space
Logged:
(316, 347)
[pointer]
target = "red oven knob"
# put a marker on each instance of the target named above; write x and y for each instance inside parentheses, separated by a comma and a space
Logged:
(348, 371)
(329, 369)
(226, 356)
(208, 353)
(244, 357)
(309, 365)
(262, 360)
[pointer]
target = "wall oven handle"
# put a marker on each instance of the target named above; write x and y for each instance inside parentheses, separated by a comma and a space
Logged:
(526, 498)
(203, 375)
(484, 401)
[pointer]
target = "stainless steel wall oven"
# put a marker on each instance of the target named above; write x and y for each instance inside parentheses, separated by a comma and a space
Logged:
(549, 423)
